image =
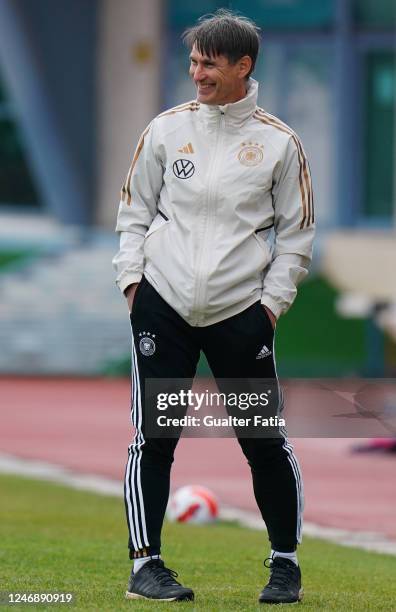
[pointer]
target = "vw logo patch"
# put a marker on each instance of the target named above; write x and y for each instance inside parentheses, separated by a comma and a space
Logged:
(183, 168)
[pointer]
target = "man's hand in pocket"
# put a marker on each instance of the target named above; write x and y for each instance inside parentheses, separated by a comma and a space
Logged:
(271, 315)
(130, 294)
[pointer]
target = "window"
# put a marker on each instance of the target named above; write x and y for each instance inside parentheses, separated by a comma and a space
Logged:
(289, 14)
(16, 184)
(375, 13)
(269, 14)
(380, 134)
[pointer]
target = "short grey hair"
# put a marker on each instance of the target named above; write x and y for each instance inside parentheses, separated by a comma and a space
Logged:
(225, 33)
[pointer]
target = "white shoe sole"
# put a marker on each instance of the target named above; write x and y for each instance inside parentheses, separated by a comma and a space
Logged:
(129, 595)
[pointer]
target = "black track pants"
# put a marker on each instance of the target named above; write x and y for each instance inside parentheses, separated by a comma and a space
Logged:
(231, 347)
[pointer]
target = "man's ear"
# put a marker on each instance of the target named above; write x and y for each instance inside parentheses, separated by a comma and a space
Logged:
(245, 65)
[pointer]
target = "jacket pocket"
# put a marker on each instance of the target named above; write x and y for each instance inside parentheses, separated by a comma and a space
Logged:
(263, 247)
(156, 245)
(160, 221)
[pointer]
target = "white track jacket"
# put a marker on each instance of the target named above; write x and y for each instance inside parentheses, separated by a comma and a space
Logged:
(206, 187)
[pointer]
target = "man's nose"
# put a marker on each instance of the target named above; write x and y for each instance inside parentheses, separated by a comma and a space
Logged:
(198, 74)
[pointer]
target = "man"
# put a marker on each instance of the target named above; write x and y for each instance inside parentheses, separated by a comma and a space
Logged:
(208, 182)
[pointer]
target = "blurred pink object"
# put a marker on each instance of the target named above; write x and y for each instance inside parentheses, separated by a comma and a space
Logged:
(382, 445)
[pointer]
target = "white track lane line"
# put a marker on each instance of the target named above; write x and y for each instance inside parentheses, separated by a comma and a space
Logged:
(41, 470)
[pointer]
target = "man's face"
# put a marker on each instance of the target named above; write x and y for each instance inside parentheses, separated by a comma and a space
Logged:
(217, 81)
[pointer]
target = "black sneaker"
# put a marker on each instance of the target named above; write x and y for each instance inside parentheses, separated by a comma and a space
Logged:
(284, 585)
(155, 581)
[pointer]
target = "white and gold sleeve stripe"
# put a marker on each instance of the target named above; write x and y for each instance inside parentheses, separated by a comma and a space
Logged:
(304, 173)
(126, 195)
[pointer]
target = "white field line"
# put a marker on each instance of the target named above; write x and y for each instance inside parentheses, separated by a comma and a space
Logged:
(42, 470)
(375, 542)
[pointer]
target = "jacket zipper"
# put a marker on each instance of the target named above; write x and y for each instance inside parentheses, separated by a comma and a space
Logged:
(210, 200)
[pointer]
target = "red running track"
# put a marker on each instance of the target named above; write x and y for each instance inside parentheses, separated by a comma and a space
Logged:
(84, 425)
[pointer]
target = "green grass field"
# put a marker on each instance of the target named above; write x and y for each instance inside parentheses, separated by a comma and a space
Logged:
(54, 539)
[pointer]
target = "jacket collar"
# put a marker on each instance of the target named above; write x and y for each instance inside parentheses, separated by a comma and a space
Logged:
(236, 113)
